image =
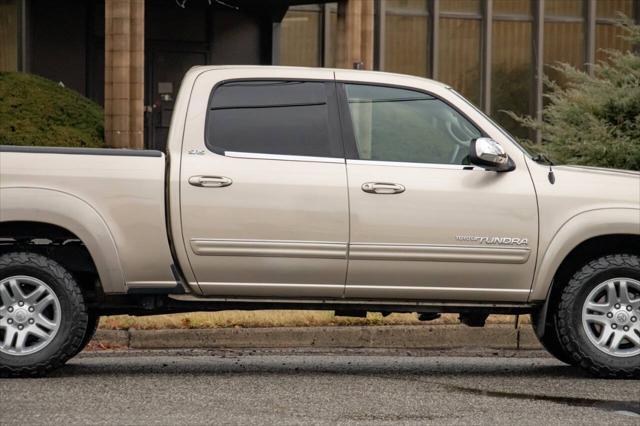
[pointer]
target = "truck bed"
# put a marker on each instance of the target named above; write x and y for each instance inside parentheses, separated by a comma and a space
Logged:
(124, 187)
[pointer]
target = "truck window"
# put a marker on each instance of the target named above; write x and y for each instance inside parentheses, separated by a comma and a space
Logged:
(392, 124)
(271, 117)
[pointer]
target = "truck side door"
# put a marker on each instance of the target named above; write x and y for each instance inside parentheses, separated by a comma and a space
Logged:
(424, 223)
(263, 185)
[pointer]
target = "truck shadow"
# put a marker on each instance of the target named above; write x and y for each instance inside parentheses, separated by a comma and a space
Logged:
(214, 363)
(473, 376)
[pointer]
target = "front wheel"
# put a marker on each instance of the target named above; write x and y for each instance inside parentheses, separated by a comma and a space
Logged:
(92, 326)
(551, 341)
(43, 317)
(598, 317)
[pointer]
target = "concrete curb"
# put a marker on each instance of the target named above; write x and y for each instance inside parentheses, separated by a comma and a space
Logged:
(398, 337)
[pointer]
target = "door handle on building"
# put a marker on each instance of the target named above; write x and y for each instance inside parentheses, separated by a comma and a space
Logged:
(382, 188)
(210, 181)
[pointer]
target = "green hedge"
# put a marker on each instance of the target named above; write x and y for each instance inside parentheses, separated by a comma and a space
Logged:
(37, 111)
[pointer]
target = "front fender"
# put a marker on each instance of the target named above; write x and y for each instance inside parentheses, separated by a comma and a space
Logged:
(72, 213)
(581, 227)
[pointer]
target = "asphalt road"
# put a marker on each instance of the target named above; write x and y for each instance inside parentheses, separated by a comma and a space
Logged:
(337, 387)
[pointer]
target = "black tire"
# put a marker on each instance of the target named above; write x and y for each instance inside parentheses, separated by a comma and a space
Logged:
(73, 315)
(568, 317)
(551, 341)
(92, 327)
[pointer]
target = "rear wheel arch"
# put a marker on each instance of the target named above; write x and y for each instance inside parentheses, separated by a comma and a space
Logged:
(63, 214)
(56, 243)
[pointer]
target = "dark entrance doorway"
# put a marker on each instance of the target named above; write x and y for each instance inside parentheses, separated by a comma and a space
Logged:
(169, 63)
(177, 38)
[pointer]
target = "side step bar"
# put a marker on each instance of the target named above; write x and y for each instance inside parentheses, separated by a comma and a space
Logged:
(226, 303)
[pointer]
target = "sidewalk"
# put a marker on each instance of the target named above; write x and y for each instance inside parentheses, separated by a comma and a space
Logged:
(498, 336)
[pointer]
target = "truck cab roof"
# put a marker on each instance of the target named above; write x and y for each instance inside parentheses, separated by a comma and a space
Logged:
(278, 71)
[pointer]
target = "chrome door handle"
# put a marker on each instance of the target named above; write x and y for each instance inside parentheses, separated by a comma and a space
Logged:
(382, 188)
(210, 181)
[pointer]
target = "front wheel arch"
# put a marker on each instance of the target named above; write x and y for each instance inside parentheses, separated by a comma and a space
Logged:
(594, 229)
(587, 250)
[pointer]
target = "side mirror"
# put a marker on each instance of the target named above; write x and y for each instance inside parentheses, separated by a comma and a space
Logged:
(489, 154)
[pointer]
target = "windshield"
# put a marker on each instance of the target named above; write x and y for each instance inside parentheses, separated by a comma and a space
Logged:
(528, 151)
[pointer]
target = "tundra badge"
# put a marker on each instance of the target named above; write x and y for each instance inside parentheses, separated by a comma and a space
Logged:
(494, 240)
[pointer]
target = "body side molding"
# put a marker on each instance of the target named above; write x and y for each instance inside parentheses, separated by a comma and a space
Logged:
(438, 253)
(269, 248)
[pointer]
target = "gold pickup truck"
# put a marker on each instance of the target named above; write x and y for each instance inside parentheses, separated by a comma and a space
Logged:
(301, 188)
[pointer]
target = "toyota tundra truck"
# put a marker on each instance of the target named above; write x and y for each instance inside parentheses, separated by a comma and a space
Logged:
(303, 188)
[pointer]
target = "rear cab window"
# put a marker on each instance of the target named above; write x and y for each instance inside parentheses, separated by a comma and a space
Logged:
(277, 117)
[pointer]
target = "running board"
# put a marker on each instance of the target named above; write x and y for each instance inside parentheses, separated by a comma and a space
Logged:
(227, 303)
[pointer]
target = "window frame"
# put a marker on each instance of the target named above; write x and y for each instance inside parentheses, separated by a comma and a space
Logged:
(335, 142)
(349, 137)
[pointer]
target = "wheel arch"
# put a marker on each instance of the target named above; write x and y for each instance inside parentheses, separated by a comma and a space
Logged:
(592, 233)
(63, 215)
(586, 236)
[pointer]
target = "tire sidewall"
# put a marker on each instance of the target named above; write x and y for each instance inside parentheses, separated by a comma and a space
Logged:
(72, 316)
(93, 321)
(550, 339)
(576, 332)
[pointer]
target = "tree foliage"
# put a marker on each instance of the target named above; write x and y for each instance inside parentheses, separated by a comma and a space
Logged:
(593, 120)
(37, 111)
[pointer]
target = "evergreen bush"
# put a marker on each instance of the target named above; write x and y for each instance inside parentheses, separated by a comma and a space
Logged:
(593, 120)
(37, 111)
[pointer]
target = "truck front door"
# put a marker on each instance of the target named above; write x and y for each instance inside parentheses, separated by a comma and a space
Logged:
(425, 224)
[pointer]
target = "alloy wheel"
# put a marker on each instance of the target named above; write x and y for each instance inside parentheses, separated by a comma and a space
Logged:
(611, 317)
(29, 315)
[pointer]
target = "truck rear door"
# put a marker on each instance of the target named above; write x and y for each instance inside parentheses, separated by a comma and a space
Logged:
(263, 188)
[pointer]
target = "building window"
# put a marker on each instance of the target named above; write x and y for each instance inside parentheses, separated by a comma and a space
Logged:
(563, 36)
(608, 35)
(406, 38)
(511, 67)
(330, 39)
(460, 47)
(9, 35)
(301, 37)
(308, 36)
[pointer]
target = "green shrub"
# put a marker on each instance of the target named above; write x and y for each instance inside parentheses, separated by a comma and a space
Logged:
(37, 111)
(594, 120)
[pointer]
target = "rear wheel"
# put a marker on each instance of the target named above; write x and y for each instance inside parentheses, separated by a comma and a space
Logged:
(598, 317)
(43, 317)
